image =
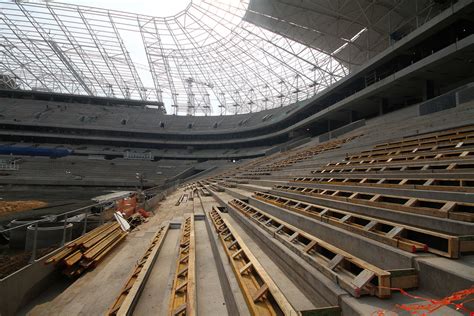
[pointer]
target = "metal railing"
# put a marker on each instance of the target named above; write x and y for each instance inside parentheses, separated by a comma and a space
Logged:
(6, 165)
(64, 219)
(83, 214)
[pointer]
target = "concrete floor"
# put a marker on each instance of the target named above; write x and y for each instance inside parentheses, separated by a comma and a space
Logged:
(94, 292)
(155, 297)
(210, 297)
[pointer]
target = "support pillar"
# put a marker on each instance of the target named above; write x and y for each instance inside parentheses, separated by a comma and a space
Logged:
(428, 91)
(383, 106)
(353, 116)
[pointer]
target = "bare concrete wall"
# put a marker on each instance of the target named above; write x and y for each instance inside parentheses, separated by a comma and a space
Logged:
(25, 284)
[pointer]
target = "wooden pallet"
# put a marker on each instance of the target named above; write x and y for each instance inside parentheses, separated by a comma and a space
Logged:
(452, 135)
(429, 183)
(353, 274)
(405, 237)
(430, 207)
(204, 192)
(125, 302)
(453, 165)
(444, 147)
(293, 157)
(262, 295)
(418, 159)
(183, 292)
(417, 155)
(305, 155)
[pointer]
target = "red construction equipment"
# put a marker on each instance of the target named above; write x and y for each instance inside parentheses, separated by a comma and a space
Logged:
(129, 206)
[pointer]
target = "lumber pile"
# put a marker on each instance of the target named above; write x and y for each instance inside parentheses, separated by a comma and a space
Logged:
(88, 250)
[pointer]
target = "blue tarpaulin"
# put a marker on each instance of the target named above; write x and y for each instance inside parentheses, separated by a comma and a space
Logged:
(34, 151)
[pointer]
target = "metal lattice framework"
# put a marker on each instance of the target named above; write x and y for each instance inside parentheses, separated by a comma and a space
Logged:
(352, 31)
(204, 60)
(214, 57)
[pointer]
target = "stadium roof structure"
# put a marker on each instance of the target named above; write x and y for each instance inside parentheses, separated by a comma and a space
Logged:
(215, 57)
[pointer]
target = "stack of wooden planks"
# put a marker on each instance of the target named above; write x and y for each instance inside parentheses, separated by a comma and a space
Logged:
(88, 250)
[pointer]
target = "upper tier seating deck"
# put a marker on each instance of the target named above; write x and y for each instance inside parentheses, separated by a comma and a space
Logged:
(77, 170)
(49, 113)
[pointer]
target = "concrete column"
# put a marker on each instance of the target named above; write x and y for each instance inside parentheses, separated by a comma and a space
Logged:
(428, 90)
(353, 116)
(383, 105)
(297, 133)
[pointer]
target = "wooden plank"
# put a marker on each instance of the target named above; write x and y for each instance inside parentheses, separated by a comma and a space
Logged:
(370, 225)
(363, 278)
(342, 276)
(397, 230)
(245, 268)
(276, 304)
(261, 292)
(309, 246)
(404, 278)
(183, 291)
(335, 261)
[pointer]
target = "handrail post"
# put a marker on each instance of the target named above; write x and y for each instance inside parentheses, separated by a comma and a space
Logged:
(85, 224)
(64, 231)
(101, 215)
(35, 237)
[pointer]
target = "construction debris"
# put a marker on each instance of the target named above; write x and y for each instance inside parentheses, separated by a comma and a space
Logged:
(182, 199)
(18, 206)
(87, 251)
(136, 220)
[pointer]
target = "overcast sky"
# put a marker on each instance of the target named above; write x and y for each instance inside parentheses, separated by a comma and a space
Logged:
(159, 8)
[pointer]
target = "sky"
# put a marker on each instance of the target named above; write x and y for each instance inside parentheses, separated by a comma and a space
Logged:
(160, 8)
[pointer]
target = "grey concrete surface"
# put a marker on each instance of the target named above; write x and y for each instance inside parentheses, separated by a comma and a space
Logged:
(435, 223)
(154, 299)
(235, 302)
(379, 254)
(210, 296)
